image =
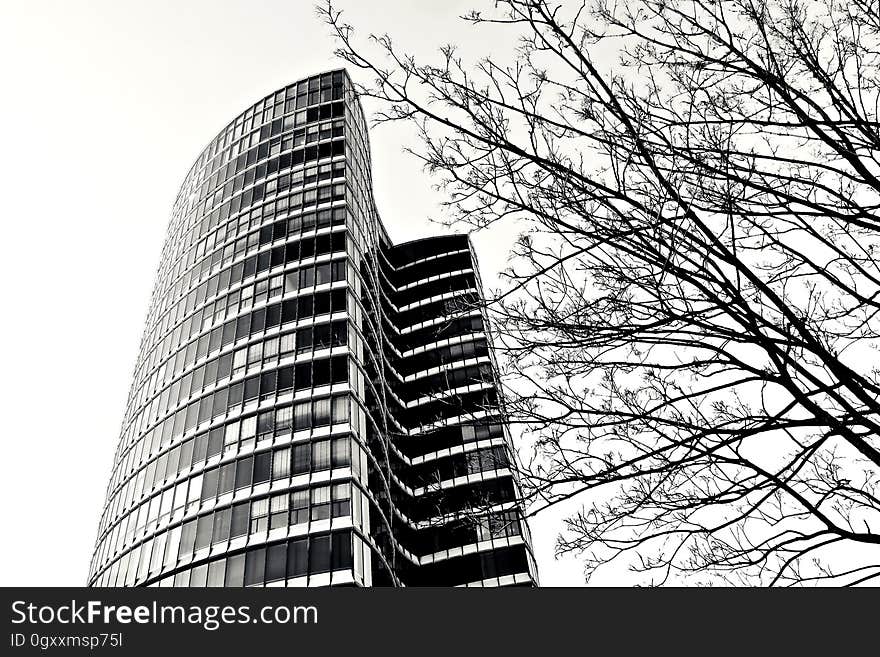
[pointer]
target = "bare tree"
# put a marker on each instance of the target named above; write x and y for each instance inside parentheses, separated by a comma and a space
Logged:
(689, 323)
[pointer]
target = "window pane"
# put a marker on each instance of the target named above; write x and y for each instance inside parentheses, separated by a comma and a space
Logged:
(239, 523)
(187, 538)
(297, 564)
(227, 478)
(341, 554)
(216, 572)
(244, 472)
(322, 412)
(276, 562)
(235, 570)
(320, 503)
(255, 563)
(302, 458)
(340, 452)
(341, 505)
(199, 576)
(203, 531)
(209, 484)
(319, 554)
(302, 416)
(262, 465)
(321, 455)
(299, 503)
(283, 419)
(340, 410)
(222, 520)
(281, 464)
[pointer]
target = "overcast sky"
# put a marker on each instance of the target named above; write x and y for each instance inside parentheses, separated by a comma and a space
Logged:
(105, 106)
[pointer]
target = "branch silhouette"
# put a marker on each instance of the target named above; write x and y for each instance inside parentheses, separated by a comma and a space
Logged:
(688, 328)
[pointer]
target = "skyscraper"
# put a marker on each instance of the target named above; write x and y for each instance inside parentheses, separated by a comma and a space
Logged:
(311, 404)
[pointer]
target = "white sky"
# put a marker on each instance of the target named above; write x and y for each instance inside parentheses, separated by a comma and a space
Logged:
(105, 106)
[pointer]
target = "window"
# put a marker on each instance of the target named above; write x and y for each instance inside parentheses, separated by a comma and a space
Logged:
(216, 572)
(239, 361)
(278, 506)
(299, 506)
(227, 478)
(180, 495)
(209, 484)
(321, 336)
(306, 277)
(340, 369)
(320, 373)
(262, 467)
(276, 284)
(199, 576)
(291, 281)
(322, 412)
(341, 500)
(265, 424)
(235, 570)
(239, 521)
(244, 472)
(251, 388)
(302, 376)
(285, 379)
(255, 563)
(283, 419)
(249, 427)
(322, 274)
(493, 458)
(320, 503)
(255, 354)
(231, 437)
(302, 416)
(288, 344)
(321, 455)
(220, 403)
(158, 549)
(281, 464)
(268, 382)
(340, 410)
(236, 394)
(302, 458)
(341, 552)
(259, 515)
(215, 442)
(173, 544)
(319, 554)
(200, 450)
(504, 524)
(340, 452)
(339, 332)
(304, 340)
(222, 521)
(186, 450)
(276, 562)
(167, 502)
(297, 558)
(203, 531)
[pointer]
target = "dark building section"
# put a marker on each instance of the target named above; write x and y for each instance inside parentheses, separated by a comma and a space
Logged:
(311, 404)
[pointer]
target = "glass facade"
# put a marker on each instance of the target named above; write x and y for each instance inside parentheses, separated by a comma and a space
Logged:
(311, 405)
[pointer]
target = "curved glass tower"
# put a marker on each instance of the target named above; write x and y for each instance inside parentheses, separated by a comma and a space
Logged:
(311, 404)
